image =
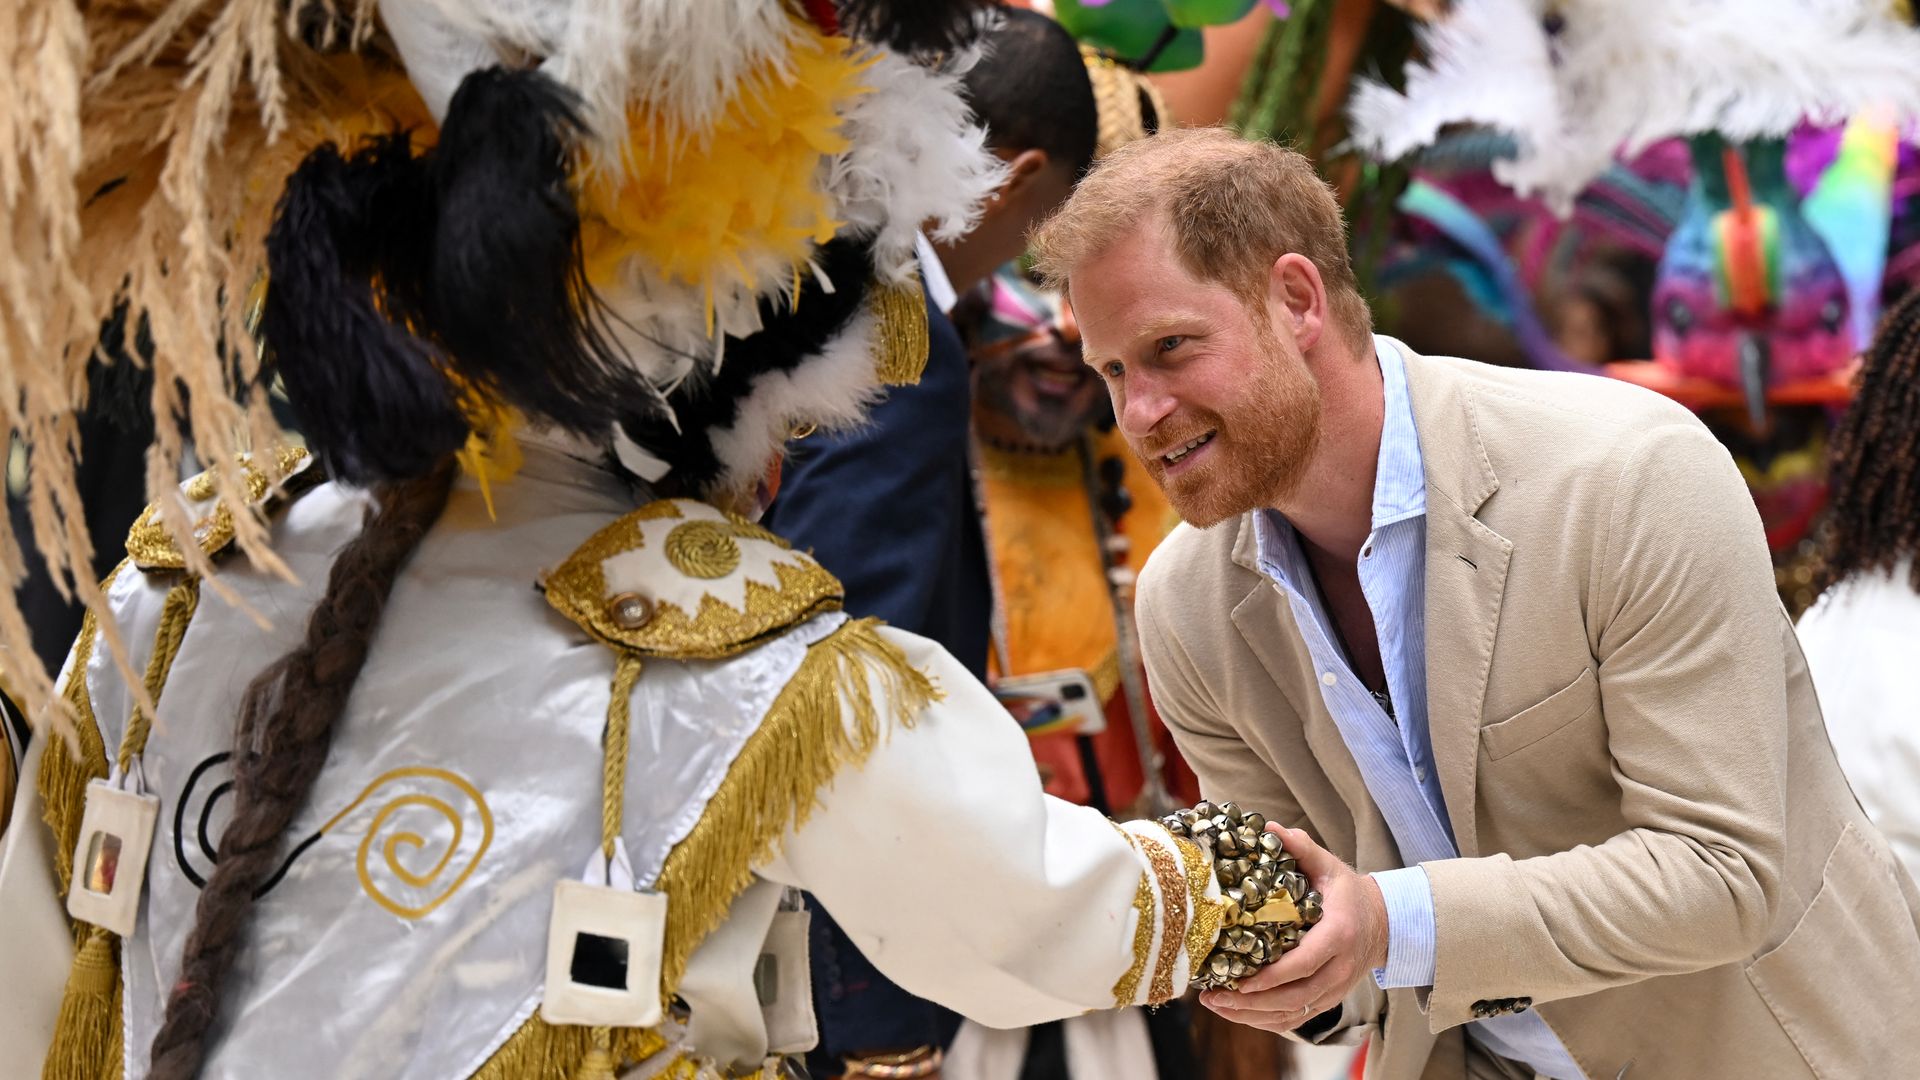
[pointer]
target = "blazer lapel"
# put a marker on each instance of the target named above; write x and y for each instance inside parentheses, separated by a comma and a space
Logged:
(1466, 578)
(1265, 620)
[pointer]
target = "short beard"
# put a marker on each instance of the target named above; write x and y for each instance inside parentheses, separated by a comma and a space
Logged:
(1266, 440)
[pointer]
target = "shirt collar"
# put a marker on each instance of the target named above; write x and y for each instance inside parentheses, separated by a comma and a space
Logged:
(933, 275)
(1399, 478)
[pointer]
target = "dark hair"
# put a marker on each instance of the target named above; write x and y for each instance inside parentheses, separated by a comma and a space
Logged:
(1032, 92)
(1874, 501)
(280, 742)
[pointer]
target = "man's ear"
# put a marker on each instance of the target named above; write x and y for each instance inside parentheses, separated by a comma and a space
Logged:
(1296, 294)
(1023, 170)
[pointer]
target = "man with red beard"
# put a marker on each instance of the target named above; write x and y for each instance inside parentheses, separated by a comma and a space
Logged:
(1507, 641)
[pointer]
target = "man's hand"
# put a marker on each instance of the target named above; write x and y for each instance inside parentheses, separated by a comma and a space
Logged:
(1344, 947)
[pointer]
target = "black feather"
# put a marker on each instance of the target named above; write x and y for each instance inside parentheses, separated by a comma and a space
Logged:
(790, 335)
(915, 26)
(507, 296)
(366, 392)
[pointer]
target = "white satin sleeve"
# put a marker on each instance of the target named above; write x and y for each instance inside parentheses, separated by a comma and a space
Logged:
(963, 882)
(36, 944)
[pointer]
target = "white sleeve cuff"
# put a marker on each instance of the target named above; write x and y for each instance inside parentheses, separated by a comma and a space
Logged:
(1410, 945)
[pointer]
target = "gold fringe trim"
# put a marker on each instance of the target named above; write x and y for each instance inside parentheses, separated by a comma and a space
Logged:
(543, 1051)
(827, 717)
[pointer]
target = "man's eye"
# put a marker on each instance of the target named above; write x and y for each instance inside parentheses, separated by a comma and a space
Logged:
(1113, 369)
(1171, 342)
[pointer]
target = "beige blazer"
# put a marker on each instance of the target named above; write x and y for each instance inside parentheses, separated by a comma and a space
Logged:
(1657, 847)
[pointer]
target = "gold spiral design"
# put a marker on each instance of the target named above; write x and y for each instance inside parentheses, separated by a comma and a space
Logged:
(400, 850)
(703, 549)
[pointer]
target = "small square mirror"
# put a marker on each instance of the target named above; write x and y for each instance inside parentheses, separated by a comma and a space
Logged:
(103, 863)
(599, 961)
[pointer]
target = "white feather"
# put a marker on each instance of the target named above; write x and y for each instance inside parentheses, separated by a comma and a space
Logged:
(684, 59)
(1622, 74)
(833, 389)
(917, 158)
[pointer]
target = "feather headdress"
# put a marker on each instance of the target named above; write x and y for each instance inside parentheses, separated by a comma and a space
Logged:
(1576, 82)
(434, 210)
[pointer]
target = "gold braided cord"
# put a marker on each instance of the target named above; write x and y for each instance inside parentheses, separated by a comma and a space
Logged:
(1172, 930)
(827, 717)
(182, 600)
(613, 784)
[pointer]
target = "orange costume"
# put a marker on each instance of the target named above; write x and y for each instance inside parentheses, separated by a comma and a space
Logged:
(1057, 607)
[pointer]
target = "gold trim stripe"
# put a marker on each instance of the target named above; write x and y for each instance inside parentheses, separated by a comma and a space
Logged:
(1209, 913)
(1129, 984)
(1173, 915)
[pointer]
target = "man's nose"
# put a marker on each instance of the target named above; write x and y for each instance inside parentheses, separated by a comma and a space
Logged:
(1146, 403)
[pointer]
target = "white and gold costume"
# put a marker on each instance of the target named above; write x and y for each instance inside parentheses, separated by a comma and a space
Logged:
(595, 251)
(773, 742)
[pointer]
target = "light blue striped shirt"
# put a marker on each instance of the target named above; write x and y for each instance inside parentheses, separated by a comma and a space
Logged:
(1396, 758)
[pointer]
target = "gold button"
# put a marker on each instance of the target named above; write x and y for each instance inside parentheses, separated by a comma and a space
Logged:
(630, 611)
(801, 431)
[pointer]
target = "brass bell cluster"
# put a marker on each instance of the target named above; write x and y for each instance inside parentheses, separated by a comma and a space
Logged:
(1268, 902)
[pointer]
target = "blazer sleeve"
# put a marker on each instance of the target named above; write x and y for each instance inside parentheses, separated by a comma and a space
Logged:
(1689, 639)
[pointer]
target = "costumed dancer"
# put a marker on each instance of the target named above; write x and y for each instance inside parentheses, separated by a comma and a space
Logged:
(488, 736)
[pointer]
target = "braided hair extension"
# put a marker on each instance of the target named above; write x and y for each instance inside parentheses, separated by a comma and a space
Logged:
(286, 723)
(1874, 500)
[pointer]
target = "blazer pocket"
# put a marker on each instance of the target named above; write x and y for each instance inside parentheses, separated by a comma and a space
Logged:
(1842, 981)
(1536, 722)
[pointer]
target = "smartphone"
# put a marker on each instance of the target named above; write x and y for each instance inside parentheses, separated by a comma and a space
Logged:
(1053, 701)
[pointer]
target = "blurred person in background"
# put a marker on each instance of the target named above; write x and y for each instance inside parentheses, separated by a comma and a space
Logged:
(1863, 634)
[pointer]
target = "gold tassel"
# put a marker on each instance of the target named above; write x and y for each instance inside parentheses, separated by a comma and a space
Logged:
(825, 718)
(88, 1027)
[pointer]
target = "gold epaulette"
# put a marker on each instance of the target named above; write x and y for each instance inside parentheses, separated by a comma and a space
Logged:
(152, 548)
(681, 580)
